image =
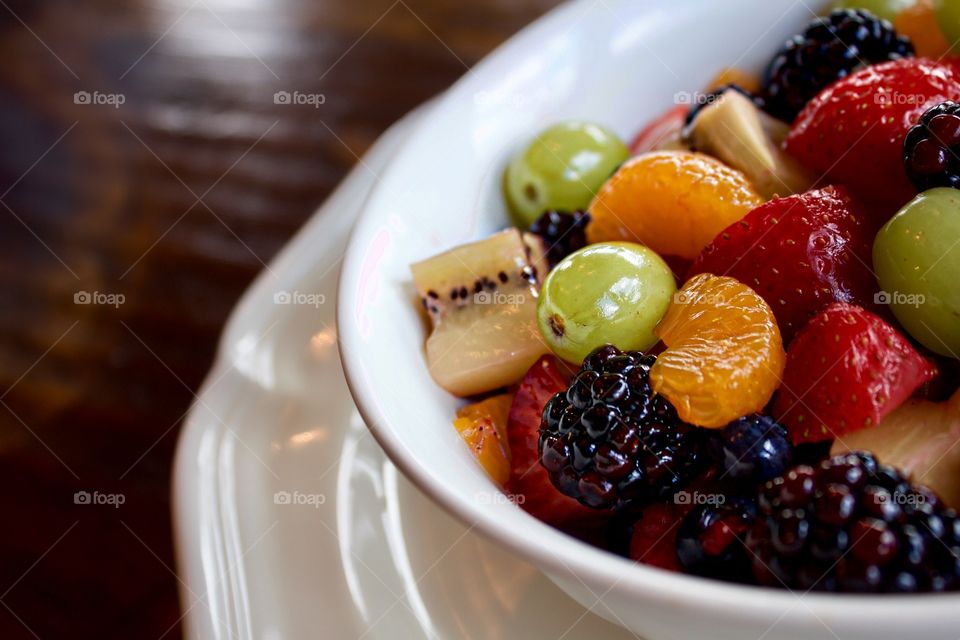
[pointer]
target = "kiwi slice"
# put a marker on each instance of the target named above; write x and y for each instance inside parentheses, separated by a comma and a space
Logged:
(482, 302)
(735, 131)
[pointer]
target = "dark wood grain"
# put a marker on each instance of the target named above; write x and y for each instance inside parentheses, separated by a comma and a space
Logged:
(173, 200)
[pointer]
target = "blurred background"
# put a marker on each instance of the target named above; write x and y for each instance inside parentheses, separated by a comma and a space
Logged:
(154, 155)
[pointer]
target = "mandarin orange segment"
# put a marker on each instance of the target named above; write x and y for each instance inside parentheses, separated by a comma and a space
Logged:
(724, 355)
(919, 23)
(674, 202)
(483, 426)
(735, 75)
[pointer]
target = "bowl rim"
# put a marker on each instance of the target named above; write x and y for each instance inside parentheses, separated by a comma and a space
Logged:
(554, 552)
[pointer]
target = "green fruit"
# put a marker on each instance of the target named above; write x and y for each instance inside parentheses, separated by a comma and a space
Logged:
(608, 293)
(887, 9)
(917, 260)
(561, 169)
(948, 17)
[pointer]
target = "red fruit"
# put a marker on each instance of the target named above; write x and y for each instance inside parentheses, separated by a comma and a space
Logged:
(853, 131)
(846, 371)
(665, 128)
(654, 539)
(528, 480)
(799, 253)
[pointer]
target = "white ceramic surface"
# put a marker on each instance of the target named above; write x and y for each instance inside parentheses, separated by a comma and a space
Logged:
(371, 557)
(618, 62)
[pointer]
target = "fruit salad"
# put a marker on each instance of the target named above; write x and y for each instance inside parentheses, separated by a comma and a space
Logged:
(731, 348)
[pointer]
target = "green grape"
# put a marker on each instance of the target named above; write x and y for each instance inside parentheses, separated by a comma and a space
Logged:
(887, 9)
(917, 260)
(613, 292)
(948, 17)
(561, 169)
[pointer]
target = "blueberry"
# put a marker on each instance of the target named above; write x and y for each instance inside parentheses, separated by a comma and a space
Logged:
(752, 449)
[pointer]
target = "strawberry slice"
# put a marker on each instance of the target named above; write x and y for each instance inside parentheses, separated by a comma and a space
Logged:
(853, 131)
(654, 539)
(664, 129)
(846, 371)
(799, 253)
(528, 480)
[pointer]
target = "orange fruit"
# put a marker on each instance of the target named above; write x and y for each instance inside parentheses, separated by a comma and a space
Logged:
(919, 23)
(734, 75)
(483, 426)
(675, 202)
(724, 355)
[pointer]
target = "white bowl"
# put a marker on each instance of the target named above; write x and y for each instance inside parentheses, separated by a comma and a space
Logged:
(617, 62)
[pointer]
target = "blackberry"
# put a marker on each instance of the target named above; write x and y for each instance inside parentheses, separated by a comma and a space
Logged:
(751, 450)
(931, 146)
(851, 525)
(709, 98)
(711, 540)
(563, 233)
(609, 442)
(829, 49)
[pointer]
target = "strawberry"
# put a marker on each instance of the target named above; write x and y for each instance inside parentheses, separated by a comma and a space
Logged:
(664, 129)
(853, 131)
(654, 539)
(846, 370)
(528, 480)
(799, 253)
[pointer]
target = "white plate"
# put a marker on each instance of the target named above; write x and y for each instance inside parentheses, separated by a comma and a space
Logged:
(371, 557)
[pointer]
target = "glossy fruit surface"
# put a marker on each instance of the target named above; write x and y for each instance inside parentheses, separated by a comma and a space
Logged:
(846, 371)
(886, 9)
(918, 439)
(483, 426)
(799, 253)
(711, 540)
(561, 169)
(919, 23)
(853, 132)
(529, 484)
(830, 48)
(917, 259)
(931, 146)
(610, 442)
(674, 202)
(853, 525)
(724, 354)
(751, 450)
(608, 293)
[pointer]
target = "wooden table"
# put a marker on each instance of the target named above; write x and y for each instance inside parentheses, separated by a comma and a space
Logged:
(148, 169)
